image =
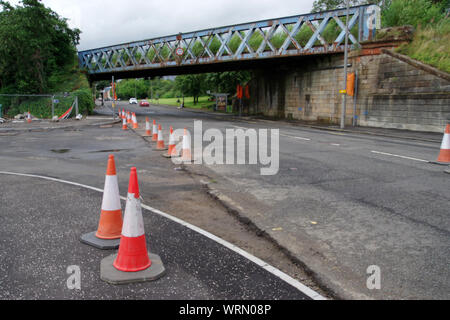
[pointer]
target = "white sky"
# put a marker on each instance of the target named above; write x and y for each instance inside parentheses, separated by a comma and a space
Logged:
(117, 21)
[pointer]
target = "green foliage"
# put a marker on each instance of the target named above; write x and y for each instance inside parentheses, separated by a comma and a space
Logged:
(431, 45)
(132, 88)
(34, 44)
(412, 12)
(191, 85)
(38, 56)
(226, 82)
(324, 5)
(41, 107)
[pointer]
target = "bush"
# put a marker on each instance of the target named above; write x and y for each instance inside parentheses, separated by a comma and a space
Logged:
(412, 12)
(430, 45)
(85, 100)
(41, 107)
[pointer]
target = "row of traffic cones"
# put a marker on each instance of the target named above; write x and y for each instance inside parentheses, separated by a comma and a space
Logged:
(444, 155)
(157, 136)
(133, 262)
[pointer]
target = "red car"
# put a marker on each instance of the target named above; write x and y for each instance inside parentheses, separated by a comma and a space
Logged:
(144, 103)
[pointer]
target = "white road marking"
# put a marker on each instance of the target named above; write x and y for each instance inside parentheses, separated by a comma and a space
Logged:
(281, 134)
(276, 272)
(295, 137)
(335, 144)
(337, 133)
(398, 156)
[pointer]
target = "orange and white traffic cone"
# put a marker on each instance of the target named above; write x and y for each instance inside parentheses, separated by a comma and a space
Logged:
(155, 132)
(124, 124)
(148, 132)
(186, 152)
(109, 228)
(128, 117)
(134, 120)
(444, 154)
(172, 147)
(160, 144)
(122, 114)
(29, 117)
(132, 263)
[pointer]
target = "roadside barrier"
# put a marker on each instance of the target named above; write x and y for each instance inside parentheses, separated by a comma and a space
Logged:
(109, 228)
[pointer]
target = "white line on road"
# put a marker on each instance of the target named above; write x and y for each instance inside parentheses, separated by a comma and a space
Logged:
(276, 272)
(281, 134)
(295, 137)
(398, 156)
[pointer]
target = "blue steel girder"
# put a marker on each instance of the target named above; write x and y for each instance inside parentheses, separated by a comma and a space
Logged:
(282, 37)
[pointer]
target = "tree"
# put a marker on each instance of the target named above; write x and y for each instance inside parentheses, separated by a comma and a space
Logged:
(191, 85)
(413, 12)
(35, 43)
(225, 82)
(324, 5)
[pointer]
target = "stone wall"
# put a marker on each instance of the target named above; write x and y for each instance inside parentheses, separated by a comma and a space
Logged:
(394, 93)
(391, 92)
(307, 90)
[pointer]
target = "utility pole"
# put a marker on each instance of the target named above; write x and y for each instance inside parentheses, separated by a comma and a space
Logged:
(113, 89)
(344, 98)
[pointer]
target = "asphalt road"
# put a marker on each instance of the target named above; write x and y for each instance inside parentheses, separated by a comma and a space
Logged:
(40, 239)
(41, 222)
(339, 203)
(342, 202)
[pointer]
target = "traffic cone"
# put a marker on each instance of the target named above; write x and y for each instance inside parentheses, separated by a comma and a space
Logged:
(148, 132)
(160, 144)
(172, 147)
(29, 117)
(128, 117)
(444, 155)
(134, 120)
(186, 152)
(133, 262)
(124, 123)
(122, 113)
(155, 132)
(109, 228)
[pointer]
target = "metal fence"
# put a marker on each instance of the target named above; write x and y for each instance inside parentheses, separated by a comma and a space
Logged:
(40, 106)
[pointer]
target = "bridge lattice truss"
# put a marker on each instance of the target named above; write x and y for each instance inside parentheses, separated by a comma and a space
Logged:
(315, 33)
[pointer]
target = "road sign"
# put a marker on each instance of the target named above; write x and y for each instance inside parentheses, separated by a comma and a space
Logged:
(179, 52)
(55, 101)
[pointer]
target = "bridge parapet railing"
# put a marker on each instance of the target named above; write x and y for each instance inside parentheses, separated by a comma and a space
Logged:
(307, 34)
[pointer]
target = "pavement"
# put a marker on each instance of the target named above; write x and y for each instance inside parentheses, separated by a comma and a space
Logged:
(37, 125)
(341, 201)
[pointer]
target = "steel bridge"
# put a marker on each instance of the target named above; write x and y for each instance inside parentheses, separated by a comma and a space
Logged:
(234, 47)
